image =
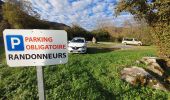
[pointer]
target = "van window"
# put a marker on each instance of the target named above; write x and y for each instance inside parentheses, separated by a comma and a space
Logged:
(135, 39)
(128, 39)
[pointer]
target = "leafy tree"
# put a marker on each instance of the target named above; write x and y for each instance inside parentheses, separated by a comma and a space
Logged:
(25, 6)
(101, 35)
(4, 25)
(156, 13)
(77, 31)
(17, 17)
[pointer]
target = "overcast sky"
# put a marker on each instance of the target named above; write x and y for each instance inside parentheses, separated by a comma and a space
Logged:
(86, 13)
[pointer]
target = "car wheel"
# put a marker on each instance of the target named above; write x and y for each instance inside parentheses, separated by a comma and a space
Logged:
(85, 52)
(125, 43)
(139, 44)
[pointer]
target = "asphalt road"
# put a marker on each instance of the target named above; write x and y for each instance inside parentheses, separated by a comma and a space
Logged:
(119, 46)
(122, 46)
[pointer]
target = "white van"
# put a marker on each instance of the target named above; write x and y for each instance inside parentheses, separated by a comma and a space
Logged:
(132, 41)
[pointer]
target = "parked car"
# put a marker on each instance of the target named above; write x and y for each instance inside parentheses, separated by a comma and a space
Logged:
(77, 45)
(132, 41)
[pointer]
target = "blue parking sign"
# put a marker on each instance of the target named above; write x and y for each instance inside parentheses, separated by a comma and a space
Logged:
(15, 42)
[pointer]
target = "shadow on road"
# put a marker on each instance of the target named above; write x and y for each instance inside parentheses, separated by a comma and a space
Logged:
(95, 50)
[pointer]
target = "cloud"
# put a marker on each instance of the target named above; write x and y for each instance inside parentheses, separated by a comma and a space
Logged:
(85, 13)
(98, 8)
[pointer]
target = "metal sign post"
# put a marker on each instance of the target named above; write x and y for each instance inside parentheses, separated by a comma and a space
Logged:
(40, 77)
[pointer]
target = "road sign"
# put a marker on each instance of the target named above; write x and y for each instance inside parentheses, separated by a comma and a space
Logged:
(35, 47)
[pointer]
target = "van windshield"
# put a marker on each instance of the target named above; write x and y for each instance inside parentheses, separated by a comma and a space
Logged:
(78, 40)
(128, 39)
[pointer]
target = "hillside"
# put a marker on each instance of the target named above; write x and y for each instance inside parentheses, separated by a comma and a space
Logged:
(55, 25)
(24, 20)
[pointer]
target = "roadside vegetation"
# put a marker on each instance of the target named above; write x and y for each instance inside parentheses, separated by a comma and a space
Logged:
(95, 75)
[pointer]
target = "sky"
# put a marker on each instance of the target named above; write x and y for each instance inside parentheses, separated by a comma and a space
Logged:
(89, 14)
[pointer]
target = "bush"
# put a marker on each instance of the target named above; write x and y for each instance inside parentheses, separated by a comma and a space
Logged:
(162, 39)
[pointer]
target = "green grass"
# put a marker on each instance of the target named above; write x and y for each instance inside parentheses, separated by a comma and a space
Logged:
(95, 75)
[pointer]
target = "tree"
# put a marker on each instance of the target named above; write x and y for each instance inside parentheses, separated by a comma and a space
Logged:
(4, 25)
(25, 6)
(156, 13)
(1, 10)
(106, 30)
(101, 35)
(77, 31)
(18, 17)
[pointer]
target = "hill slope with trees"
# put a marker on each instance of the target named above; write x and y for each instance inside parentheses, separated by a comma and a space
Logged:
(14, 15)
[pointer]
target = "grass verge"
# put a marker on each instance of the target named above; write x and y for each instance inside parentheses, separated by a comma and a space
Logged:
(95, 75)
